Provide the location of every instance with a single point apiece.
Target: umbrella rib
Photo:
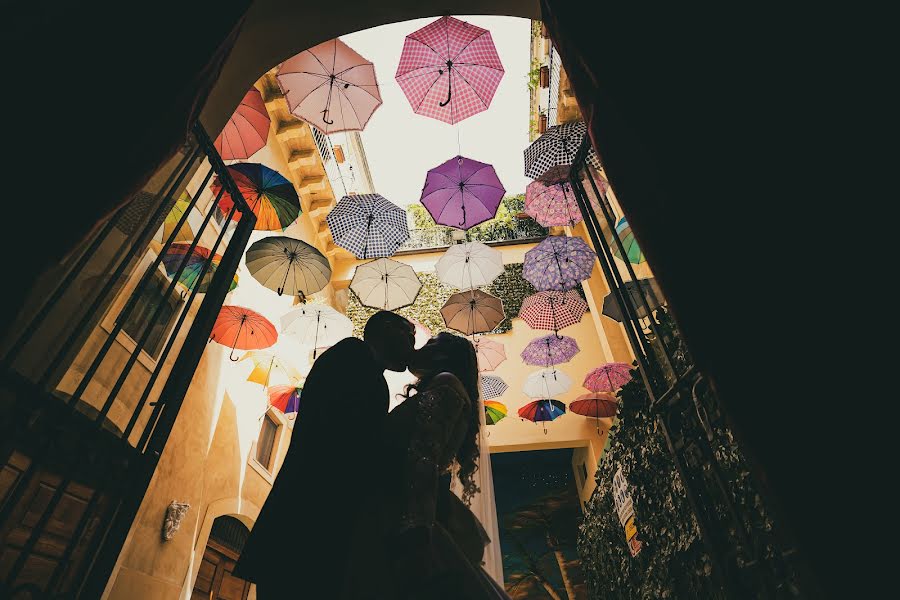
(475, 91)
(441, 214)
(362, 87)
(352, 107)
(426, 92)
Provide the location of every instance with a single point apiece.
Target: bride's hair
(463, 363)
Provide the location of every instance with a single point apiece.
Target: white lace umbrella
(547, 383)
(316, 325)
(386, 284)
(470, 265)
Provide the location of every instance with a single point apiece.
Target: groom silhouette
(298, 546)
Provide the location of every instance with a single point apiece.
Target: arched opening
(214, 579)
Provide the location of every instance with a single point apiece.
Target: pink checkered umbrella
(608, 378)
(552, 205)
(449, 70)
(553, 310)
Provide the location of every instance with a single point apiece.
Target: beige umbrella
(472, 312)
(386, 284)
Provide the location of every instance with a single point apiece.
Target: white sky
(402, 146)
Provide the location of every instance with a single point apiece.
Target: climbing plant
(503, 226)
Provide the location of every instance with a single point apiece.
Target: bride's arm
(438, 408)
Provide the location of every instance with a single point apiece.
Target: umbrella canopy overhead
(247, 130)
(541, 411)
(650, 290)
(550, 350)
(490, 354)
(558, 263)
(608, 378)
(494, 412)
(473, 312)
(197, 257)
(552, 205)
(546, 383)
(285, 398)
(242, 329)
(330, 86)
(470, 265)
(285, 264)
(188, 230)
(492, 387)
(462, 193)
(549, 158)
(449, 70)
(386, 284)
(271, 197)
(601, 405)
(316, 325)
(553, 310)
(267, 363)
(368, 225)
(629, 243)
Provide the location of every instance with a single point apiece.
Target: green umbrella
(632, 250)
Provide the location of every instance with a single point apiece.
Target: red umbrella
(247, 130)
(449, 70)
(242, 329)
(600, 405)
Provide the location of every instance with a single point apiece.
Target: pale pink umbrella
(449, 70)
(490, 354)
(330, 86)
(247, 130)
(608, 378)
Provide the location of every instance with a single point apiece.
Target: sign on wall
(625, 510)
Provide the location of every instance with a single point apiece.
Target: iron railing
(685, 408)
(94, 378)
(443, 237)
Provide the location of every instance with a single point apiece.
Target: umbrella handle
(449, 90)
(231, 356)
(325, 117)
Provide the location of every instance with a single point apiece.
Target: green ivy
(501, 227)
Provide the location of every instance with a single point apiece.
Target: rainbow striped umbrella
(632, 250)
(271, 197)
(494, 412)
(198, 256)
(188, 230)
(285, 398)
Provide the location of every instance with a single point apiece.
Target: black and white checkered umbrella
(549, 157)
(368, 225)
(492, 387)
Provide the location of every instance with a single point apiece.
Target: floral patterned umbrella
(608, 378)
(541, 411)
(552, 205)
(550, 350)
(553, 310)
(490, 354)
(559, 263)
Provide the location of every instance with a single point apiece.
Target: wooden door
(215, 581)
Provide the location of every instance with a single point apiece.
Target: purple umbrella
(462, 193)
(558, 263)
(549, 350)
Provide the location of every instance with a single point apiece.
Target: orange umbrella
(242, 329)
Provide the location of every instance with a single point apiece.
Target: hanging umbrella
(651, 293)
(285, 264)
(449, 70)
(549, 158)
(330, 86)
(317, 325)
(632, 250)
(558, 263)
(271, 197)
(242, 329)
(490, 354)
(541, 411)
(608, 378)
(470, 265)
(285, 398)
(386, 284)
(601, 405)
(188, 230)
(462, 193)
(266, 363)
(198, 256)
(492, 387)
(546, 383)
(553, 310)
(494, 412)
(247, 130)
(552, 205)
(472, 312)
(550, 350)
(368, 225)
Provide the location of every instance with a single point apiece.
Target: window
(153, 296)
(584, 473)
(265, 445)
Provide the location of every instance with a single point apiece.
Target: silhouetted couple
(362, 507)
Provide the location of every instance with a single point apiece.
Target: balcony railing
(443, 237)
